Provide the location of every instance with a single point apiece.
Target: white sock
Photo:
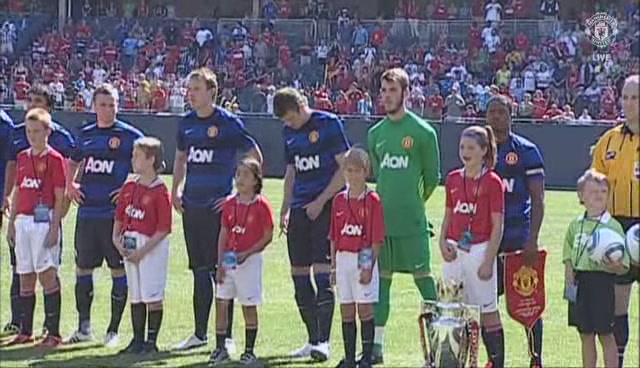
(378, 336)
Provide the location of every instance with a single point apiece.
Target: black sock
(250, 335)
(535, 342)
(306, 301)
(349, 336)
(621, 333)
(119, 292)
(52, 303)
(138, 320)
(367, 331)
(230, 320)
(220, 340)
(84, 298)
(15, 299)
(202, 301)
(494, 343)
(155, 321)
(325, 304)
(27, 306)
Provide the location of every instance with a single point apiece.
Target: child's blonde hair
(357, 157)
(593, 176)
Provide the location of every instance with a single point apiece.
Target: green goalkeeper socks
(426, 286)
(381, 311)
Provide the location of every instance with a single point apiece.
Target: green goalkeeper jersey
(406, 161)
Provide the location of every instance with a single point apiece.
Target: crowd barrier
(565, 148)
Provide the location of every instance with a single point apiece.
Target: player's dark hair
(502, 101)
(256, 169)
(152, 147)
(105, 90)
(485, 138)
(42, 91)
(396, 75)
(287, 100)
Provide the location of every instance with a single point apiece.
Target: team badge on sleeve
(114, 142)
(314, 136)
(511, 158)
(407, 142)
(212, 132)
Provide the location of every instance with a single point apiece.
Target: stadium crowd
(518, 49)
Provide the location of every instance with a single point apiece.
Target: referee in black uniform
(617, 155)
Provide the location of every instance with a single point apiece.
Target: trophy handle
(424, 320)
(474, 338)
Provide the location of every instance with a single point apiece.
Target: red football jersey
(144, 209)
(246, 223)
(356, 223)
(465, 204)
(38, 177)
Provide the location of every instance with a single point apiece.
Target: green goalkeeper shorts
(406, 254)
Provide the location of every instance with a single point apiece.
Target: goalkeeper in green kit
(406, 160)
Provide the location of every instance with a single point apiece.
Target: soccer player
(472, 230)
(521, 168)
(34, 226)
(357, 234)
(6, 129)
(590, 286)
(617, 155)
(140, 233)
(60, 140)
(315, 143)
(406, 160)
(209, 141)
(104, 156)
(246, 230)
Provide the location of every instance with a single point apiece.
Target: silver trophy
(449, 329)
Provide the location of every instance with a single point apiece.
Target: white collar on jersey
(604, 218)
(361, 196)
(46, 150)
(153, 184)
(251, 201)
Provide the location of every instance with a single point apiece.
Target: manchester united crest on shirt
(114, 142)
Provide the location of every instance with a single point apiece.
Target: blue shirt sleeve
(181, 143)
(244, 139)
(67, 145)
(533, 163)
(78, 154)
(13, 146)
(338, 141)
(6, 133)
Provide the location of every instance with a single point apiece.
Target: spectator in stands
(8, 37)
(454, 103)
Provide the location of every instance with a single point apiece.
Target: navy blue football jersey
(60, 139)
(213, 146)
(519, 160)
(6, 129)
(312, 150)
(107, 156)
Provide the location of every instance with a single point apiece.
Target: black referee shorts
(308, 241)
(594, 310)
(634, 272)
(201, 229)
(93, 243)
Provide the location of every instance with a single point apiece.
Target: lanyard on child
(236, 209)
(364, 224)
(584, 244)
(472, 214)
(40, 181)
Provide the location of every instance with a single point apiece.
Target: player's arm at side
(338, 146)
(9, 154)
(75, 166)
(377, 223)
(246, 141)
(567, 253)
(179, 169)
(496, 210)
(69, 150)
(223, 237)
(59, 178)
(599, 154)
(371, 146)
(534, 169)
(119, 218)
(430, 162)
(334, 231)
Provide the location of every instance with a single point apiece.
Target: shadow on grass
(32, 352)
(160, 359)
(263, 362)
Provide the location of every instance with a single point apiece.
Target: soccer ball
(633, 243)
(606, 244)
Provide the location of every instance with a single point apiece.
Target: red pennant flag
(524, 288)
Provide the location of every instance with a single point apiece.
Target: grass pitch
(281, 329)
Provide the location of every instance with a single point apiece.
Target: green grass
(281, 329)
